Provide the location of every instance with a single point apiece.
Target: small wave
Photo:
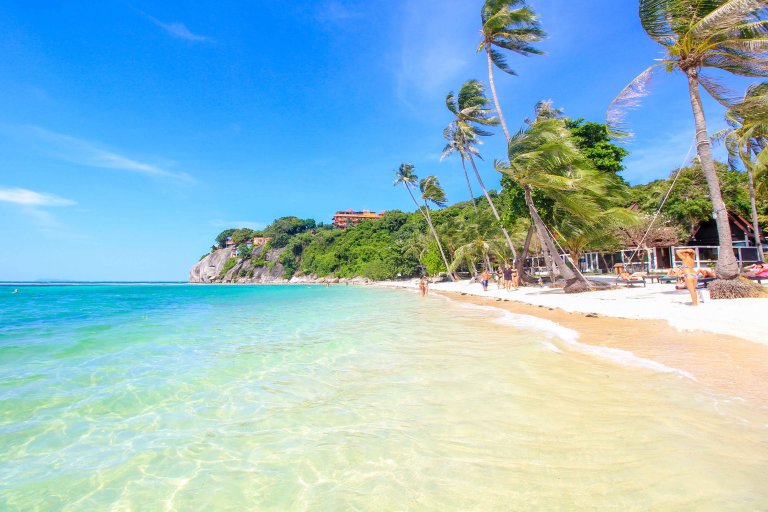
(571, 338)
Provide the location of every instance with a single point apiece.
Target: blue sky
(132, 132)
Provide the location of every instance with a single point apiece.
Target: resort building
(658, 257)
(345, 218)
(261, 240)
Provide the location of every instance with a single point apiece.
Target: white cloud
(26, 197)
(178, 30)
(83, 152)
(437, 45)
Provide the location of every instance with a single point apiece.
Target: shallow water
(347, 398)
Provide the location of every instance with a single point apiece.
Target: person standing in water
(424, 285)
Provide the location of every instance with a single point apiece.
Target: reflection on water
(278, 398)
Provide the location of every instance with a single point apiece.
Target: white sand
(743, 318)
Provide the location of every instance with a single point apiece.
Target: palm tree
(544, 157)
(405, 176)
(454, 144)
(507, 25)
(729, 35)
(432, 192)
(746, 138)
(471, 112)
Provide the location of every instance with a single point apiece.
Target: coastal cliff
(225, 266)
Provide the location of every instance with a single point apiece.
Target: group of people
(506, 277)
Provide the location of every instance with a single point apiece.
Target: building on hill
(346, 218)
(261, 240)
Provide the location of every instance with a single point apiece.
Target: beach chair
(630, 283)
(759, 279)
(668, 279)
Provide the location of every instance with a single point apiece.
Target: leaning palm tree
(507, 25)
(471, 112)
(544, 157)
(746, 138)
(432, 192)
(405, 176)
(455, 144)
(729, 35)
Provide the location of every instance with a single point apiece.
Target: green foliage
(203, 256)
(282, 229)
(688, 204)
(244, 251)
(595, 144)
(230, 263)
(221, 238)
(432, 261)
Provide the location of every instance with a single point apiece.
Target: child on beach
(484, 277)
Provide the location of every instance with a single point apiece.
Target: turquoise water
(346, 398)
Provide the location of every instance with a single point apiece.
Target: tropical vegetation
(562, 192)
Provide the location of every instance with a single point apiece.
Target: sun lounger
(668, 279)
(759, 279)
(631, 282)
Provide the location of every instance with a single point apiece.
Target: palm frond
(728, 14)
(629, 98)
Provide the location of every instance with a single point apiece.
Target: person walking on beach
(424, 285)
(484, 277)
(499, 278)
(508, 276)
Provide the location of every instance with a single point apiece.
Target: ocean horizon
(277, 397)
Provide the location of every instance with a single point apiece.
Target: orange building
(261, 240)
(351, 217)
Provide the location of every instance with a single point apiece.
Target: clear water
(345, 398)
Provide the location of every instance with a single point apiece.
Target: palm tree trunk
(493, 207)
(755, 223)
(434, 233)
(727, 266)
(493, 92)
(469, 185)
(520, 264)
(570, 276)
(439, 245)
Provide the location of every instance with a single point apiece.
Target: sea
(281, 398)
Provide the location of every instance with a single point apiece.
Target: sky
(133, 132)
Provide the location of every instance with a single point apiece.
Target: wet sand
(721, 363)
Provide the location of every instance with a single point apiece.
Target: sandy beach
(720, 343)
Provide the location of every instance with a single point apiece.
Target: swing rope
(663, 201)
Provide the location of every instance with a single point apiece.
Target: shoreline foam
(720, 361)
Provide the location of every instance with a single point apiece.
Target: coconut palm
(405, 176)
(471, 112)
(454, 144)
(746, 138)
(507, 25)
(544, 157)
(729, 35)
(432, 192)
